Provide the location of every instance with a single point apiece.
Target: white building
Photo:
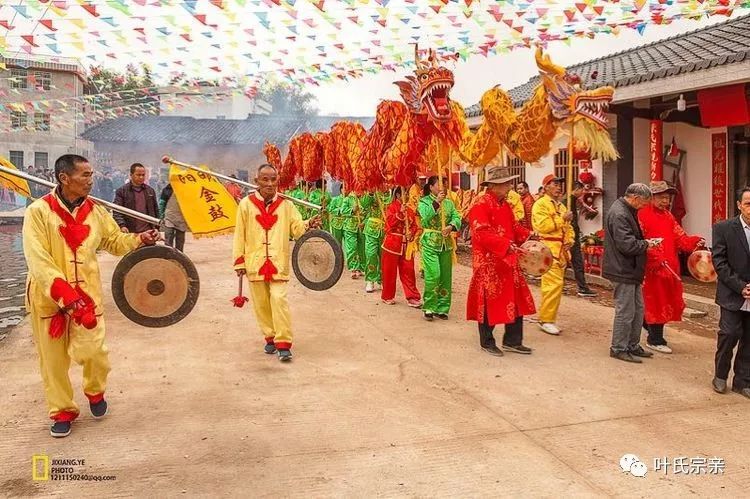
(696, 86)
(41, 112)
(210, 102)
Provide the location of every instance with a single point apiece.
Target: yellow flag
(15, 184)
(208, 208)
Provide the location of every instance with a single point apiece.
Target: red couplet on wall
(655, 146)
(718, 177)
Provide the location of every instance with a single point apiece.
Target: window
(17, 120)
(516, 167)
(16, 157)
(41, 161)
(561, 165)
(43, 80)
(41, 122)
(19, 78)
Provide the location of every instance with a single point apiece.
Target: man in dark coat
(731, 257)
(625, 265)
(138, 196)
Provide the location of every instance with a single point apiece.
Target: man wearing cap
(551, 220)
(498, 293)
(662, 284)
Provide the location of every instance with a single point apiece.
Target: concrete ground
(377, 402)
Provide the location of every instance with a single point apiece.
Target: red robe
(395, 228)
(496, 277)
(662, 286)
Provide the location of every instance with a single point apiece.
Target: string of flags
(314, 41)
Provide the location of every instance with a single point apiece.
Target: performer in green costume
(336, 221)
(299, 193)
(323, 199)
(437, 248)
(375, 205)
(353, 241)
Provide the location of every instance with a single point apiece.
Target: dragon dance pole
(569, 180)
(106, 204)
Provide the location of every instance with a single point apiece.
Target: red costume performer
(662, 285)
(497, 286)
(398, 253)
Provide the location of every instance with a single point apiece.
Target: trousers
(174, 238)
(354, 250)
(272, 312)
(86, 347)
(438, 277)
(372, 258)
(626, 329)
(512, 337)
(734, 331)
(391, 265)
(552, 289)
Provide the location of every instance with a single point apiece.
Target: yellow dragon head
(566, 98)
(427, 91)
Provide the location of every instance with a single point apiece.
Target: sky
(472, 78)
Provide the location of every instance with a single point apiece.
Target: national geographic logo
(43, 469)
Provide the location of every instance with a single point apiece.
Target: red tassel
(57, 325)
(239, 300)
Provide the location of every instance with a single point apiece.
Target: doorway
(739, 161)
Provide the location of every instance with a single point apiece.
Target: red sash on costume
(267, 219)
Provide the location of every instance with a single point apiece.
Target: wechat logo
(631, 464)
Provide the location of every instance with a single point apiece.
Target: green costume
(374, 233)
(317, 196)
(299, 193)
(437, 253)
(336, 221)
(354, 242)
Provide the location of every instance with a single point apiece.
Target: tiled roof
(716, 45)
(185, 130)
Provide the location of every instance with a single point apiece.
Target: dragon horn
(545, 65)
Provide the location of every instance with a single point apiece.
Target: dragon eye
(423, 76)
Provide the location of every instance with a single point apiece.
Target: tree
(124, 93)
(287, 99)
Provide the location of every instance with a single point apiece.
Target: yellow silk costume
(547, 220)
(514, 200)
(261, 248)
(60, 248)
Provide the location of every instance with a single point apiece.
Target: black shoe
(270, 348)
(720, 385)
(586, 293)
(517, 349)
(493, 350)
(625, 356)
(442, 316)
(285, 355)
(99, 409)
(60, 429)
(638, 351)
(742, 391)
(428, 316)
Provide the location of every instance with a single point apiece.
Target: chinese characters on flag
(208, 208)
(656, 143)
(718, 177)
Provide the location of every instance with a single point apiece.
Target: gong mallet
(107, 204)
(171, 161)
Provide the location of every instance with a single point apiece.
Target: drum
(701, 266)
(155, 286)
(536, 259)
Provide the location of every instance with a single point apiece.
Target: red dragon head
(426, 92)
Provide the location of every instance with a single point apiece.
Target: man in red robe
(662, 286)
(399, 245)
(498, 293)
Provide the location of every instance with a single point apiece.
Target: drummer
(662, 285)
(265, 222)
(62, 233)
(498, 293)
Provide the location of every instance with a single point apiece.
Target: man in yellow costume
(62, 232)
(514, 200)
(551, 220)
(265, 223)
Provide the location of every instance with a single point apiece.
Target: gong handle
(171, 161)
(111, 206)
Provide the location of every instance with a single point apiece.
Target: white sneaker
(369, 288)
(376, 286)
(549, 328)
(659, 348)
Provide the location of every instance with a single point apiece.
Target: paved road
(377, 402)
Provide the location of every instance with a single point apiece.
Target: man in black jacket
(731, 256)
(625, 265)
(138, 196)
